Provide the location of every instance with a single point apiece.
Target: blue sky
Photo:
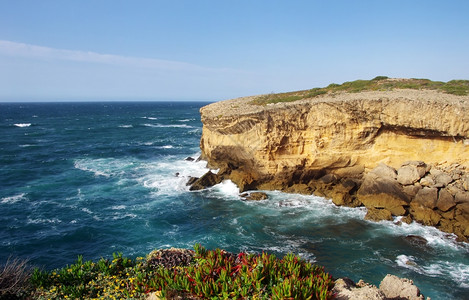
(214, 50)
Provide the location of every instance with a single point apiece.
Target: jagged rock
(189, 158)
(424, 215)
(412, 190)
(384, 171)
(427, 181)
(256, 196)
(427, 197)
(379, 192)
(443, 179)
(191, 180)
(407, 219)
(207, 180)
(461, 197)
(445, 200)
(376, 214)
(346, 289)
(394, 287)
(329, 178)
(409, 174)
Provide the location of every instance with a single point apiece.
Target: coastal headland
(399, 147)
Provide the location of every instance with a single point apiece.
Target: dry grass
(14, 278)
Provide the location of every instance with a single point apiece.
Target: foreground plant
(14, 278)
(199, 274)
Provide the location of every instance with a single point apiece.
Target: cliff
(355, 148)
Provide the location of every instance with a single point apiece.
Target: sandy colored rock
(377, 192)
(427, 197)
(345, 289)
(394, 287)
(445, 200)
(376, 214)
(408, 174)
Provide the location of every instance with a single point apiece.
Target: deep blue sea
(98, 178)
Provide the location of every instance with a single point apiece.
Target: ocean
(95, 178)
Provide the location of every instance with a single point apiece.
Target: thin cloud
(39, 52)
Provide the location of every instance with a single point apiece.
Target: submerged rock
(255, 196)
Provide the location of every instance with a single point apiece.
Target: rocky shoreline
(398, 153)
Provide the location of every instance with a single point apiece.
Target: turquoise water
(98, 178)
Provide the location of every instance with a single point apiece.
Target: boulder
(427, 181)
(427, 197)
(189, 158)
(380, 192)
(346, 289)
(384, 171)
(443, 179)
(445, 200)
(394, 287)
(207, 180)
(409, 174)
(461, 197)
(424, 215)
(377, 214)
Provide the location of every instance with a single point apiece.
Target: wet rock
(376, 214)
(416, 240)
(256, 196)
(407, 219)
(394, 287)
(191, 180)
(189, 158)
(207, 180)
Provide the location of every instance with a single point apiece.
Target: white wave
(26, 145)
(86, 210)
(167, 147)
(124, 216)
(126, 126)
(118, 207)
(168, 125)
(150, 118)
(435, 238)
(169, 177)
(458, 272)
(226, 189)
(22, 124)
(13, 199)
(186, 120)
(105, 167)
(44, 221)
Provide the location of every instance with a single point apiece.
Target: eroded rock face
(384, 150)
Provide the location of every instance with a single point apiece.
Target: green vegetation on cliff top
(379, 83)
(173, 274)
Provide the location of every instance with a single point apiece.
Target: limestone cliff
(329, 144)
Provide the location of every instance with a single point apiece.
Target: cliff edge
(401, 152)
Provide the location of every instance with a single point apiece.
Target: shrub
(187, 274)
(14, 278)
